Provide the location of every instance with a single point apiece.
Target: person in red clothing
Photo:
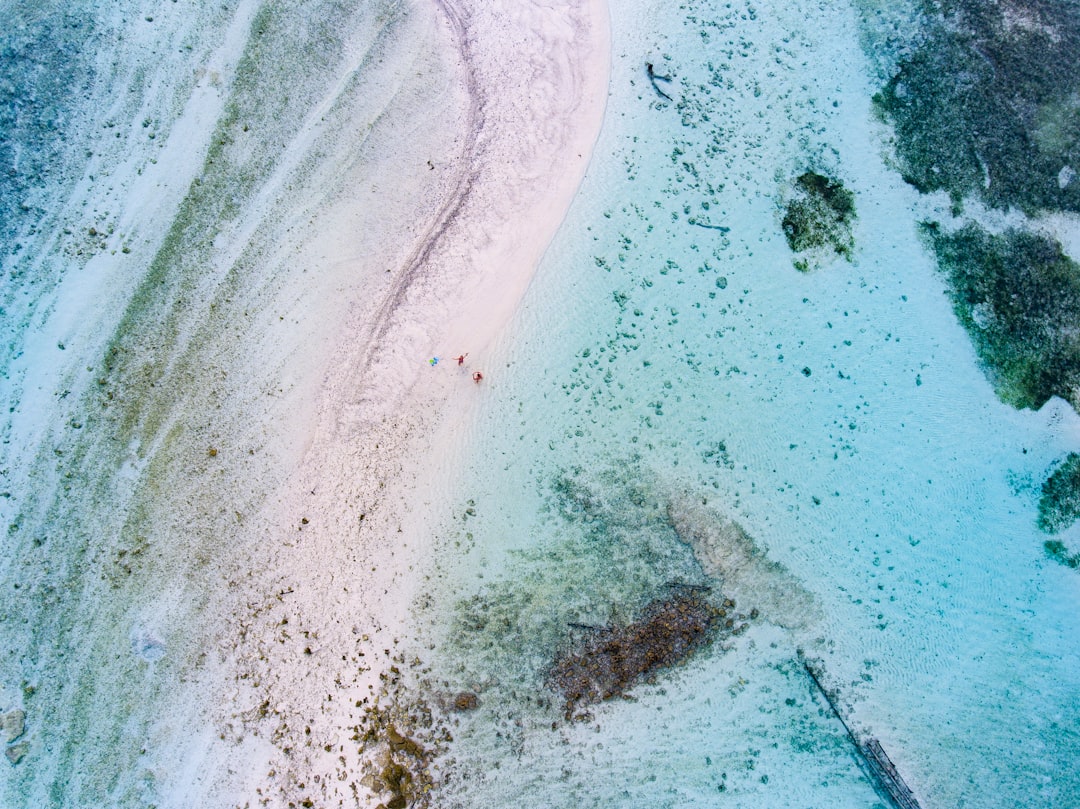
(476, 377)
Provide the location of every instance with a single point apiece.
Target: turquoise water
(662, 373)
(680, 400)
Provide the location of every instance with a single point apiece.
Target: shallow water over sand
(672, 371)
(196, 604)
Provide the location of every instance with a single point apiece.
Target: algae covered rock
(615, 658)
(1059, 506)
(818, 218)
(986, 102)
(1018, 296)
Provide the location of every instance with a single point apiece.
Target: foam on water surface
(827, 435)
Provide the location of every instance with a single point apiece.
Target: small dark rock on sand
(466, 701)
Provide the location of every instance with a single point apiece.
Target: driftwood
(654, 77)
(721, 228)
(690, 588)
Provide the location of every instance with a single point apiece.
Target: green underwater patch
(986, 102)
(1059, 505)
(1018, 296)
(1057, 551)
(818, 217)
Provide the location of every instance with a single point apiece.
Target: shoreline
(386, 422)
(242, 514)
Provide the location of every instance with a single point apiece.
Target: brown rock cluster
(403, 740)
(615, 658)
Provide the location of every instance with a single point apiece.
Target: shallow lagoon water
(670, 360)
(671, 373)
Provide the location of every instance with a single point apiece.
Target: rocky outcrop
(615, 658)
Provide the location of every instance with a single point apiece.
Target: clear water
(669, 372)
(662, 372)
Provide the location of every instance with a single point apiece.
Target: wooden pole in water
(883, 772)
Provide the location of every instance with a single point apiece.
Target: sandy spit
(323, 603)
(226, 442)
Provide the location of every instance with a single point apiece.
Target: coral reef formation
(819, 217)
(615, 658)
(1018, 296)
(1059, 505)
(986, 103)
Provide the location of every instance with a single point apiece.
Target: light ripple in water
(885, 481)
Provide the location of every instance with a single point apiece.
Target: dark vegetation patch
(612, 659)
(1059, 505)
(987, 102)
(1057, 551)
(819, 215)
(1018, 296)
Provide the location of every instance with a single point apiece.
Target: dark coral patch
(988, 103)
(1018, 296)
(819, 215)
(1059, 506)
(616, 658)
(1059, 553)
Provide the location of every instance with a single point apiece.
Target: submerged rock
(616, 658)
(400, 740)
(403, 744)
(17, 752)
(1018, 296)
(466, 701)
(13, 723)
(819, 217)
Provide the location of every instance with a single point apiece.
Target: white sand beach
(754, 407)
(251, 515)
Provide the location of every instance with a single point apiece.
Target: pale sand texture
(236, 527)
(385, 424)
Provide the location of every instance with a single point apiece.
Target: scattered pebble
(13, 723)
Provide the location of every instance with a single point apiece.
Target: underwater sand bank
(383, 429)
